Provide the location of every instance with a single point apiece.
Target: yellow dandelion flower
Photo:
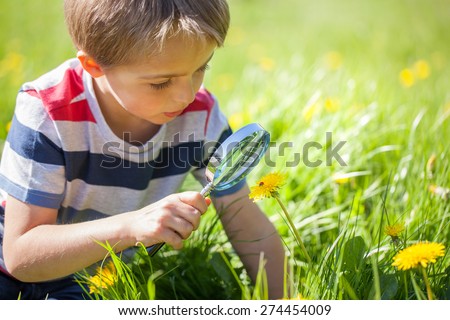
(340, 178)
(421, 69)
(431, 166)
(297, 297)
(312, 107)
(8, 126)
(333, 60)
(407, 78)
(418, 255)
(443, 193)
(394, 230)
(105, 277)
(236, 120)
(268, 186)
(12, 62)
(310, 111)
(266, 63)
(332, 104)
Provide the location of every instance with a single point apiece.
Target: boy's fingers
(174, 239)
(194, 199)
(183, 227)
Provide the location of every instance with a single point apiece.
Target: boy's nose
(185, 93)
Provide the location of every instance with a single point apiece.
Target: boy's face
(161, 87)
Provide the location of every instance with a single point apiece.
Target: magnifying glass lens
(236, 157)
(240, 158)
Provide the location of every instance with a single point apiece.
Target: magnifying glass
(232, 161)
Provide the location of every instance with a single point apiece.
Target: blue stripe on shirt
(107, 169)
(31, 144)
(36, 197)
(104, 169)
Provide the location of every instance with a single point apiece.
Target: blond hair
(115, 32)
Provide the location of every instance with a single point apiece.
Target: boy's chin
(162, 120)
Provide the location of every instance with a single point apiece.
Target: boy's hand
(170, 220)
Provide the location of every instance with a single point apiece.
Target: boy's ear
(89, 64)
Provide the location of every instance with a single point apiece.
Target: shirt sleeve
(32, 165)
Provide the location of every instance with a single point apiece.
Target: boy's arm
(251, 232)
(36, 249)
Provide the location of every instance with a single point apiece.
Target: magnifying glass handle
(207, 189)
(154, 248)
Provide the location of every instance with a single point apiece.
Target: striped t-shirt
(60, 152)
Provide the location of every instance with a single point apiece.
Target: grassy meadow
(365, 81)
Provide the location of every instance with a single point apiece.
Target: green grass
(301, 69)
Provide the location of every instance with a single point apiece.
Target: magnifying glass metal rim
(233, 142)
(239, 136)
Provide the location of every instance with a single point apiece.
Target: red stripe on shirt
(204, 101)
(58, 99)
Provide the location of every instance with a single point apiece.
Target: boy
(99, 146)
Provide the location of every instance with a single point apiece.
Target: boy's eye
(164, 85)
(161, 86)
(204, 68)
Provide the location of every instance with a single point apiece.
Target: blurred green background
(369, 40)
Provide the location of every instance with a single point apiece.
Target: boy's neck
(124, 125)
